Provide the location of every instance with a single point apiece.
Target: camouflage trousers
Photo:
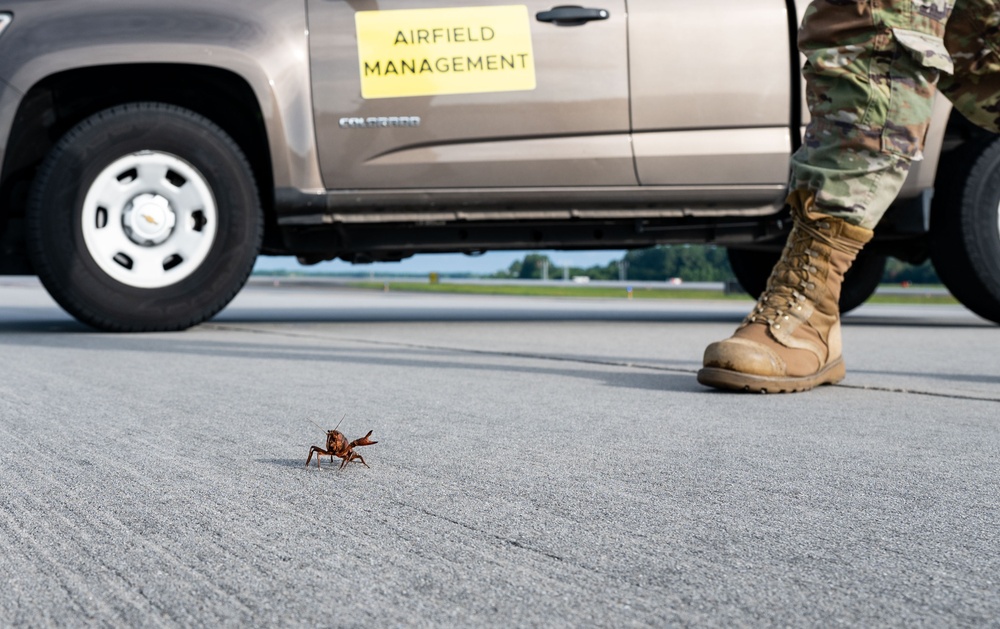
(871, 71)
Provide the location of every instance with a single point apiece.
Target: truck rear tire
(144, 217)
(965, 227)
(752, 268)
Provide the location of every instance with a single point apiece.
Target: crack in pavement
(569, 359)
(506, 540)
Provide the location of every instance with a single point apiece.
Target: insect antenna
(335, 427)
(340, 422)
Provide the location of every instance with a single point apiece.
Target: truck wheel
(144, 217)
(965, 227)
(752, 268)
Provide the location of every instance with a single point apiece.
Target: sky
(485, 264)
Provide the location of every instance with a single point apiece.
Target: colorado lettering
(379, 122)
(446, 65)
(459, 35)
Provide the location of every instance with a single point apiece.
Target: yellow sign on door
(426, 52)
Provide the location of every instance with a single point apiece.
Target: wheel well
(960, 131)
(57, 103)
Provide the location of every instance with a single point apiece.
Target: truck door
(711, 92)
(470, 94)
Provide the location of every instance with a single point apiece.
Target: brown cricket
(338, 446)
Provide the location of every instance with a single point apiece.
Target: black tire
(752, 268)
(965, 227)
(224, 237)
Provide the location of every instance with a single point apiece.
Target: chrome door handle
(572, 15)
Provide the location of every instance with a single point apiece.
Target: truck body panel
(264, 43)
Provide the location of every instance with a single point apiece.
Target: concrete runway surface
(541, 462)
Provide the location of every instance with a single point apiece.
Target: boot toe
(745, 356)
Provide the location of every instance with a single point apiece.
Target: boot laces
(793, 280)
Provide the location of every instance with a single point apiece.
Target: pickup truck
(151, 151)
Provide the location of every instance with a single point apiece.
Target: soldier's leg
(973, 39)
(870, 75)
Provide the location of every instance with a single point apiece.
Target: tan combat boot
(791, 340)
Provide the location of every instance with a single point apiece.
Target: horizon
(445, 263)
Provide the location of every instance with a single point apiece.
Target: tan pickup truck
(151, 151)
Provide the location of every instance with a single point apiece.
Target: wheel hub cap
(149, 220)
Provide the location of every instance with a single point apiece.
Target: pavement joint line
(462, 350)
(952, 396)
(583, 361)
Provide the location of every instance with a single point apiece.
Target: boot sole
(736, 381)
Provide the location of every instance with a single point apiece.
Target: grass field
(602, 292)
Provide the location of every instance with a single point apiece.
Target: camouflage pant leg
(973, 39)
(870, 73)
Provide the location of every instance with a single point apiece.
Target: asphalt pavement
(540, 462)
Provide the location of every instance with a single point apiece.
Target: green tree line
(690, 263)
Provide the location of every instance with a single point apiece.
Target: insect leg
(319, 453)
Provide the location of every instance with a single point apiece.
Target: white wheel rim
(149, 220)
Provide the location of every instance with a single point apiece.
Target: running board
(296, 208)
